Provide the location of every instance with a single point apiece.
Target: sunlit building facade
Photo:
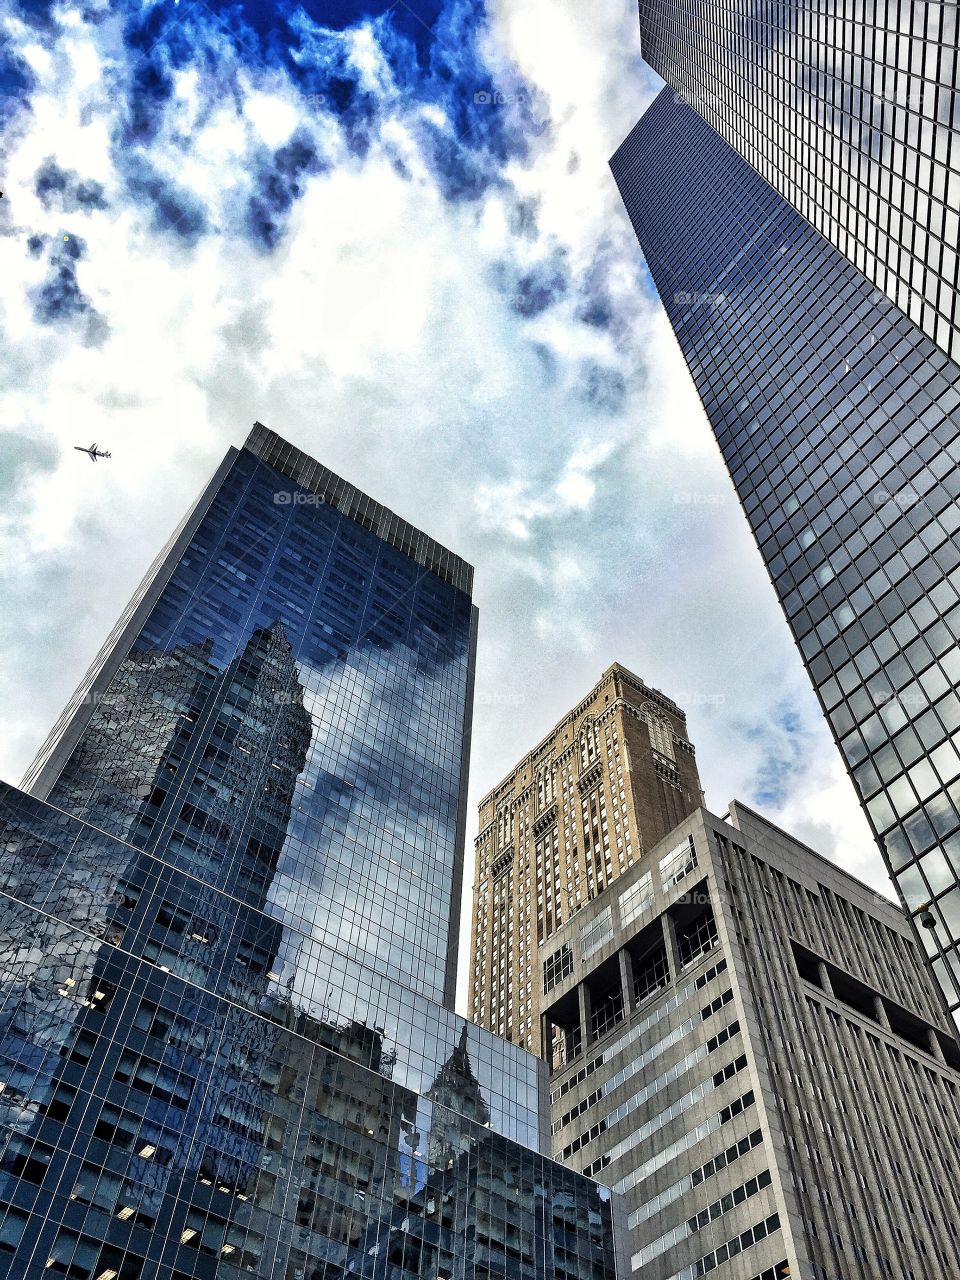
(610, 779)
(839, 422)
(753, 1053)
(851, 111)
(228, 910)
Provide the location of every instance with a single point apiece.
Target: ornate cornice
(590, 777)
(545, 820)
(503, 862)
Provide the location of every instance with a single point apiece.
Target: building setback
(747, 1044)
(849, 111)
(228, 907)
(839, 422)
(608, 781)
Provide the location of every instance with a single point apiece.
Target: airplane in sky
(93, 452)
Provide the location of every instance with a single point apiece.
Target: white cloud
(381, 338)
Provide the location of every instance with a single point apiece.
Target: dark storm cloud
(531, 292)
(16, 80)
(433, 58)
(172, 209)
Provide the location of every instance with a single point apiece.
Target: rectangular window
(635, 900)
(679, 862)
(596, 934)
(557, 967)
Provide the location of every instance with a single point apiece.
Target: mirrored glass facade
(838, 421)
(852, 112)
(226, 919)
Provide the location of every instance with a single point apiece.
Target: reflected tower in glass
(851, 111)
(228, 910)
(838, 422)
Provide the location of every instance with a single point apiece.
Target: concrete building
(610, 780)
(747, 1044)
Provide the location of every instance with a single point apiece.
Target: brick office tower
(228, 950)
(748, 1046)
(609, 781)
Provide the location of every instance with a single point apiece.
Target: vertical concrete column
(626, 980)
(880, 1009)
(935, 1046)
(586, 1011)
(823, 973)
(670, 942)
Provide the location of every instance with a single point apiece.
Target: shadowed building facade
(227, 908)
(838, 422)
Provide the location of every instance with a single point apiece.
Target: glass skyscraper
(838, 420)
(228, 911)
(851, 111)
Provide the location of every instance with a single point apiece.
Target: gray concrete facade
(752, 1051)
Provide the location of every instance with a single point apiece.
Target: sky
(389, 232)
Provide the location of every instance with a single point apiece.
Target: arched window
(589, 747)
(545, 788)
(661, 732)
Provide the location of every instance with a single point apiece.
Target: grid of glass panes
(596, 933)
(633, 902)
(851, 112)
(556, 967)
(175, 1116)
(356, 737)
(678, 863)
(839, 423)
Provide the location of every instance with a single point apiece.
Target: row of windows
(658, 1203)
(657, 1122)
(746, 1190)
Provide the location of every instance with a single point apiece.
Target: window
(596, 934)
(634, 901)
(557, 967)
(661, 733)
(697, 937)
(12, 1227)
(679, 862)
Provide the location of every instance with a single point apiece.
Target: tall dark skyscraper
(228, 911)
(838, 421)
(851, 111)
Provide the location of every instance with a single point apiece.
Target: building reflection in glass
(225, 926)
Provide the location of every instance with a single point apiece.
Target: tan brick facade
(613, 778)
